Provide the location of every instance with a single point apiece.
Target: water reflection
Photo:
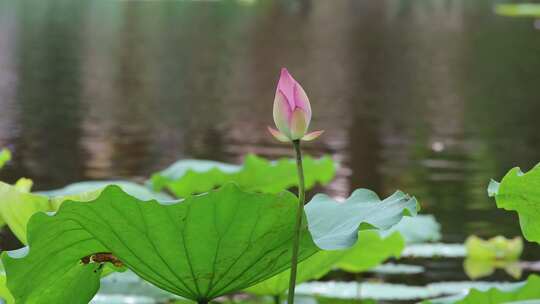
(434, 97)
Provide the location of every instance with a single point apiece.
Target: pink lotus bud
(292, 111)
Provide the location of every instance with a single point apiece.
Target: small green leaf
(493, 188)
(24, 184)
(5, 156)
(479, 268)
(189, 176)
(496, 248)
(17, 206)
(520, 192)
(518, 10)
(515, 292)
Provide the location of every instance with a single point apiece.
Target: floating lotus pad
(496, 248)
(191, 176)
(393, 292)
(498, 294)
(139, 191)
(435, 250)
(518, 10)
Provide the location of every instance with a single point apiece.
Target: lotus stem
(277, 299)
(298, 226)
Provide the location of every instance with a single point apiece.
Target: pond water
(431, 97)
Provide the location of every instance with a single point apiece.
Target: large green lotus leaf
(203, 247)
(335, 225)
(4, 291)
(528, 290)
(369, 251)
(520, 192)
(5, 156)
(78, 282)
(258, 174)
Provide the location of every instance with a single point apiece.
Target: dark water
(432, 97)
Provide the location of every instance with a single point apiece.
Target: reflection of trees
(120, 118)
(153, 80)
(168, 63)
(500, 84)
(410, 76)
(8, 79)
(504, 100)
(48, 88)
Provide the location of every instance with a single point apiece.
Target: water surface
(432, 97)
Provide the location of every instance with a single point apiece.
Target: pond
(431, 97)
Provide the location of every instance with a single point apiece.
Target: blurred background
(434, 97)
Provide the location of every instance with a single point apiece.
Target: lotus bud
(292, 111)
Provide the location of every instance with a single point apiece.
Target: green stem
(298, 226)
(277, 299)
